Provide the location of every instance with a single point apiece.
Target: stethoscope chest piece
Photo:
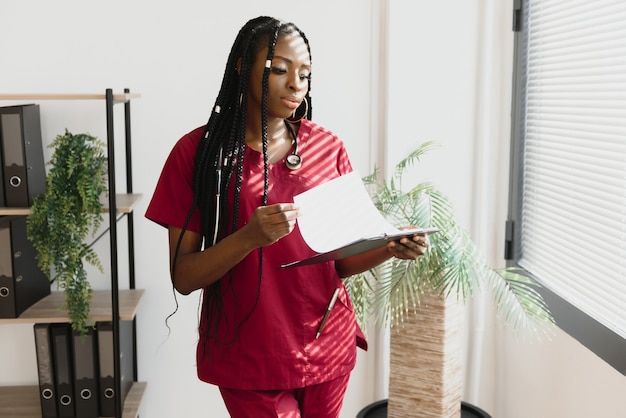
(293, 161)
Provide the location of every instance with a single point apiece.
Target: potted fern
(64, 216)
(421, 300)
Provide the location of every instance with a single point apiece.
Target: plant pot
(425, 360)
(379, 410)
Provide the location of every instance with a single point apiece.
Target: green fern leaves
(66, 214)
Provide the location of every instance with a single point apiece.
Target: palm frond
(519, 303)
(361, 294)
(412, 159)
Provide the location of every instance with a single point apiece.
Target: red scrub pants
(318, 401)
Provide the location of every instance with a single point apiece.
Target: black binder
(2, 200)
(22, 154)
(106, 358)
(45, 367)
(63, 382)
(86, 374)
(22, 283)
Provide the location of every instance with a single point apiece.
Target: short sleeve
(173, 196)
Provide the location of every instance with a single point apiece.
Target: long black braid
(222, 146)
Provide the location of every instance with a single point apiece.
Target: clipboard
(360, 246)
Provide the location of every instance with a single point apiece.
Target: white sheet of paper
(339, 212)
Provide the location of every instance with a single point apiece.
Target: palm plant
(453, 267)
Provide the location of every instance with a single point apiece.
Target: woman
(225, 195)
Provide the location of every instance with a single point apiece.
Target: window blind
(573, 202)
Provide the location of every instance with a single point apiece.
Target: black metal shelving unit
(24, 400)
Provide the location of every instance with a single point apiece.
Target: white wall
(173, 53)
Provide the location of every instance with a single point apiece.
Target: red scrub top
(275, 347)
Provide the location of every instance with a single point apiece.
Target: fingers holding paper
(270, 223)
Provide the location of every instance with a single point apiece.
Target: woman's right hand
(270, 223)
(196, 268)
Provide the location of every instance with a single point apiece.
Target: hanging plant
(66, 214)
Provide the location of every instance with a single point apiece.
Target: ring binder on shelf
(62, 350)
(22, 283)
(2, 199)
(22, 154)
(106, 356)
(86, 374)
(45, 368)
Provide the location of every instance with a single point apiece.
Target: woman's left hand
(409, 248)
(406, 248)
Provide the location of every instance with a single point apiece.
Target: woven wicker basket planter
(425, 371)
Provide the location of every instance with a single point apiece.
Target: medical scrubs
(267, 329)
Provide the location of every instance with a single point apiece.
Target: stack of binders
(76, 377)
(22, 177)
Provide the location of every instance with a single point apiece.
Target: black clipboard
(360, 246)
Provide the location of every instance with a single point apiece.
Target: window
(567, 206)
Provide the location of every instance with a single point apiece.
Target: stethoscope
(293, 161)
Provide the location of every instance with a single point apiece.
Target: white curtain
(490, 51)
(490, 189)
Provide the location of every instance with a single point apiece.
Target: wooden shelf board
(132, 403)
(50, 308)
(23, 401)
(14, 211)
(125, 202)
(118, 97)
(20, 402)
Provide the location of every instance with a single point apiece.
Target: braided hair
(220, 153)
